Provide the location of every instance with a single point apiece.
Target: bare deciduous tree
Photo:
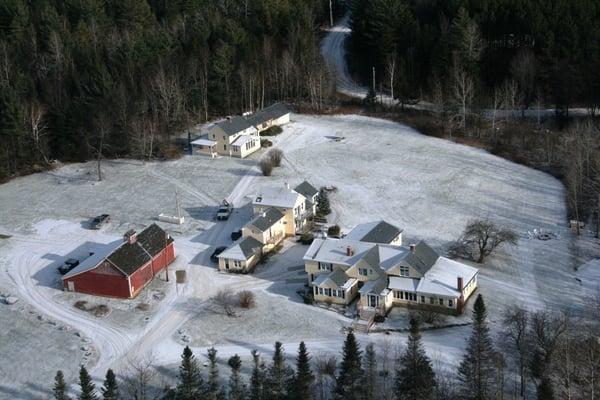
(516, 322)
(481, 238)
(139, 378)
(38, 129)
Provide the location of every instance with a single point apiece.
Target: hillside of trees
(89, 78)
(549, 49)
(539, 355)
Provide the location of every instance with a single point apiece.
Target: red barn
(123, 269)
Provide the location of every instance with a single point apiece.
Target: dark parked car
(68, 265)
(100, 221)
(235, 235)
(214, 256)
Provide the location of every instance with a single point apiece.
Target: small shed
(123, 269)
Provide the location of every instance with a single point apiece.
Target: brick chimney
(413, 247)
(130, 236)
(459, 284)
(349, 251)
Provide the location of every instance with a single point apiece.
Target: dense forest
(538, 355)
(88, 78)
(550, 49)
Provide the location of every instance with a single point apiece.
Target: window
(441, 302)
(431, 300)
(404, 271)
(237, 264)
(450, 303)
(321, 291)
(327, 292)
(224, 147)
(422, 299)
(316, 290)
(363, 271)
(343, 294)
(325, 266)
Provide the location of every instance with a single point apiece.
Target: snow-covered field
(382, 170)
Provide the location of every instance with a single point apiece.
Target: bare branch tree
(481, 238)
(516, 322)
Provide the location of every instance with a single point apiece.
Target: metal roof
(128, 257)
(234, 125)
(267, 114)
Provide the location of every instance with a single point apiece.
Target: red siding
(100, 284)
(105, 280)
(140, 278)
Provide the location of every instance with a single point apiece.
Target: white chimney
(287, 186)
(413, 247)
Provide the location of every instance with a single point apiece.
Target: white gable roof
(92, 261)
(277, 197)
(442, 278)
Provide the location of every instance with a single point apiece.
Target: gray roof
(338, 277)
(306, 189)
(267, 219)
(375, 287)
(422, 258)
(249, 246)
(242, 249)
(274, 111)
(375, 232)
(234, 125)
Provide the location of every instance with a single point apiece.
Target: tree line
(548, 50)
(489, 69)
(538, 355)
(83, 79)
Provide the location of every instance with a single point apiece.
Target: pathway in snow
(333, 49)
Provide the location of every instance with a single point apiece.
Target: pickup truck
(99, 221)
(225, 210)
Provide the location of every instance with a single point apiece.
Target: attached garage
(123, 269)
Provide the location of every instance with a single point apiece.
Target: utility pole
(374, 80)
(330, 13)
(598, 219)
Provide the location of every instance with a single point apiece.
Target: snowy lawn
(383, 170)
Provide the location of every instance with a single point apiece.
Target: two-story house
(385, 275)
(277, 213)
(234, 137)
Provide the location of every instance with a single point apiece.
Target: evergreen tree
(370, 378)
(213, 390)
(60, 387)
(301, 389)
(323, 206)
(545, 390)
(350, 378)
(279, 375)
(110, 389)
(190, 380)
(415, 379)
(370, 100)
(88, 389)
(257, 379)
(476, 371)
(237, 388)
